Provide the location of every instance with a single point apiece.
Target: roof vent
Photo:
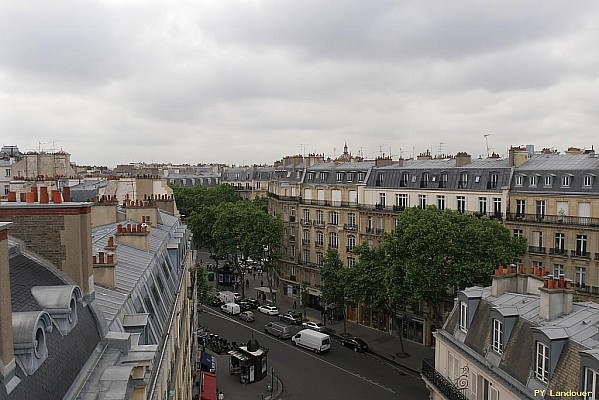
(29, 337)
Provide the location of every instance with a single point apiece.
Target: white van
(317, 341)
(231, 308)
(226, 297)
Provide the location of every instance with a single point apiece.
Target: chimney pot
(56, 197)
(66, 193)
(44, 198)
(101, 257)
(110, 258)
(94, 259)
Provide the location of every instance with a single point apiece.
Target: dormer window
(542, 362)
(588, 180)
(350, 176)
(519, 180)
(339, 176)
(566, 179)
(497, 340)
(361, 176)
(493, 180)
(463, 324)
(463, 180)
(533, 180)
(548, 180)
(310, 176)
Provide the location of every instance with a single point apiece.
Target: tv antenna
(487, 141)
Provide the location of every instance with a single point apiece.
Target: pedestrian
(221, 396)
(254, 273)
(261, 283)
(247, 283)
(294, 305)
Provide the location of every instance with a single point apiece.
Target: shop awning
(208, 387)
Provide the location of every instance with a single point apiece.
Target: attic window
(463, 324)
(588, 180)
(477, 179)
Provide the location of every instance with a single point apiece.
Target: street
(338, 374)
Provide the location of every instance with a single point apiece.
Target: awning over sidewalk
(265, 289)
(208, 387)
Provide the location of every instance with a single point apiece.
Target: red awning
(208, 386)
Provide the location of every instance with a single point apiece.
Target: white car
(316, 326)
(268, 310)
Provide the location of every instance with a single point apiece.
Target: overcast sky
(235, 82)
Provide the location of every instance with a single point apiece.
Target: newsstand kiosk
(249, 362)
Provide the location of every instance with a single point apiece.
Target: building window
(560, 243)
(319, 238)
(533, 180)
(351, 219)
(333, 240)
(369, 226)
(405, 178)
(497, 343)
(588, 181)
(482, 205)
(518, 233)
(453, 364)
(306, 237)
(580, 274)
(6, 189)
(350, 176)
(379, 179)
(339, 176)
(382, 199)
(494, 179)
(541, 209)
(351, 262)
(424, 180)
(361, 176)
(519, 180)
(441, 202)
(558, 269)
(351, 242)
(542, 362)
(307, 216)
(443, 181)
(323, 176)
(520, 208)
(463, 180)
(380, 227)
(497, 206)
(319, 259)
(422, 201)
(591, 384)
(581, 245)
(461, 204)
(401, 201)
(463, 316)
(548, 180)
(566, 180)
(319, 217)
(306, 256)
(333, 218)
(7, 172)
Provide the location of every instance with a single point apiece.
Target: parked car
(215, 302)
(236, 296)
(279, 329)
(290, 319)
(315, 326)
(247, 316)
(269, 310)
(244, 305)
(230, 308)
(355, 343)
(295, 313)
(252, 302)
(310, 339)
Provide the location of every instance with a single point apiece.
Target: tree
(203, 286)
(333, 282)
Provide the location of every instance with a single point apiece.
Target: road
(338, 374)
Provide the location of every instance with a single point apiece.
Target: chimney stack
(517, 156)
(7, 351)
(462, 158)
(557, 297)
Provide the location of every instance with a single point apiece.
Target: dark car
(244, 305)
(290, 319)
(294, 313)
(252, 302)
(215, 301)
(355, 343)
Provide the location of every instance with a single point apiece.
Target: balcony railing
(537, 249)
(369, 230)
(306, 222)
(343, 204)
(306, 242)
(553, 219)
(558, 251)
(292, 218)
(318, 223)
(349, 227)
(442, 384)
(349, 249)
(318, 244)
(580, 254)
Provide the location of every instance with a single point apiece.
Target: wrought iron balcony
(442, 384)
(558, 251)
(350, 227)
(580, 254)
(553, 219)
(537, 249)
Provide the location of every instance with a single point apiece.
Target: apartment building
(521, 338)
(97, 302)
(248, 182)
(554, 203)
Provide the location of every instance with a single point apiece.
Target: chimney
(64, 238)
(383, 161)
(105, 269)
(462, 158)
(66, 194)
(517, 156)
(555, 300)
(7, 351)
(133, 235)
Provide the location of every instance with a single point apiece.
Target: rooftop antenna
(487, 141)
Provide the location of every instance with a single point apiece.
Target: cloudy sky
(241, 81)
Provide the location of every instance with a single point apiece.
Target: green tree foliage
(203, 286)
(441, 249)
(332, 277)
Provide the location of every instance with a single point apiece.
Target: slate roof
(68, 354)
